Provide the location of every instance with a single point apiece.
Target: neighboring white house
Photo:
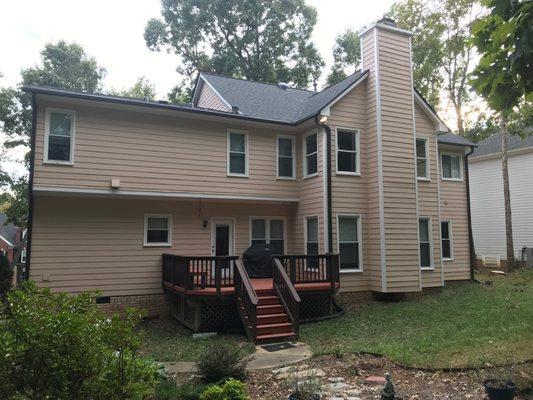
(486, 196)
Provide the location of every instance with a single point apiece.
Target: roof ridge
(252, 81)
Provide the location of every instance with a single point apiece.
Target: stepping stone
(282, 370)
(308, 373)
(337, 386)
(336, 379)
(353, 398)
(375, 380)
(353, 392)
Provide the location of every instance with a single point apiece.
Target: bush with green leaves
(168, 390)
(218, 361)
(232, 389)
(60, 346)
(6, 276)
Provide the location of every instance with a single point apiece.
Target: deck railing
(316, 268)
(287, 294)
(248, 300)
(198, 272)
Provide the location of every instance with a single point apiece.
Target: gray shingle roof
(9, 231)
(492, 144)
(453, 139)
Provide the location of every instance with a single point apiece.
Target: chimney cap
(387, 21)
(284, 86)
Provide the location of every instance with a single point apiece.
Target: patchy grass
(166, 340)
(465, 325)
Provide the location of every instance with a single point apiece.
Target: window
(349, 242)
(157, 230)
(237, 153)
(23, 257)
(451, 167)
(347, 147)
(446, 237)
(422, 159)
(268, 231)
(311, 235)
(286, 157)
(311, 155)
(59, 136)
(424, 232)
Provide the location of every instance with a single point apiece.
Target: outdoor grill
(257, 260)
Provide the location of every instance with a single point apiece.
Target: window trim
(427, 176)
(293, 147)
(357, 152)
(360, 241)
(450, 234)
(304, 154)
(430, 233)
(246, 152)
(145, 233)
(48, 112)
(267, 228)
(306, 217)
(446, 153)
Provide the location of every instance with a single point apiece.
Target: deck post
(292, 269)
(218, 276)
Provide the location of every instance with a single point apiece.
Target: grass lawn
(465, 325)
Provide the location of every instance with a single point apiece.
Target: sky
(112, 32)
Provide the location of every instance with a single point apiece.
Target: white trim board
(205, 81)
(7, 241)
(327, 109)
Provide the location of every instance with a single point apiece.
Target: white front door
(221, 237)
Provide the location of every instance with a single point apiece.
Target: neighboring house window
(237, 153)
(347, 151)
(451, 167)
(59, 136)
(446, 237)
(286, 157)
(422, 159)
(311, 235)
(311, 155)
(424, 232)
(23, 256)
(349, 242)
(268, 231)
(157, 230)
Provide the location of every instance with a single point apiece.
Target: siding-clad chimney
(386, 53)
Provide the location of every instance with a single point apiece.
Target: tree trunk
(511, 262)
(460, 122)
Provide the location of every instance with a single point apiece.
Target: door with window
(222, 238)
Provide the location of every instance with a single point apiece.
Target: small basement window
(157, 230)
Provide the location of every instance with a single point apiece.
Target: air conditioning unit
(527, 256)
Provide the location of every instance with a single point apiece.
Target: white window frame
(357, 152)
(460, 179)
(246, 153)
(430, 233)
(304, 154)
(450, 233)
(293, 149)
(307, 217)
(426, 151)
(267, 229)
(48, 112)
(145, 235)
(359, 240)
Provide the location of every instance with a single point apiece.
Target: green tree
(6, 277)
(504, 76)
(263, 41)
(142, 89)
(346, 56)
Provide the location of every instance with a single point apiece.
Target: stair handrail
(245, 291)
(287, 294)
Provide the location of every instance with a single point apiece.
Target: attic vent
(284, 86)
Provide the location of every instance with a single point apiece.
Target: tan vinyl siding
(209, 99)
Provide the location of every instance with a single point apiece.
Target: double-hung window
(349, 241)
(451, 167)
(347, 151)
(424, 232)
(422, 170)
(268, 231)
(237, 153)
(311, 235)
(157, 230)
(310, 155)
(59, 136)
(286, 157)
(446, 238)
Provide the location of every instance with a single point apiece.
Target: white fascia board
(439, 125)
(326, 111)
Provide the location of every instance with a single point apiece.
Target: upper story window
(424, 233)
(157, 230)
(446, 238)
(451, 167)
(59, 136)
(349, 242)
(286, 157)
(347, 151)
(311, 155)
(237, 153)
(422, 170)
(268, 231)
(311, 235)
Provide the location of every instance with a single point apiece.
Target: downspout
(30, 185)
(328, 182)
(469, 212)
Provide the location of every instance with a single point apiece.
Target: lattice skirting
(315, 305)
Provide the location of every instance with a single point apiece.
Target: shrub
(6, 276)
(231, 390)
(59, 346)
(218, 361)
(307, 389)
(167, 390)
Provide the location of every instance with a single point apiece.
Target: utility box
(527, 256)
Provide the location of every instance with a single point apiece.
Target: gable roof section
(453, 139)
(492, 144)
(7, 232)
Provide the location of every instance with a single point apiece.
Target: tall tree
(504, 76)
(253, 39)
(142, 89)
(346, 56)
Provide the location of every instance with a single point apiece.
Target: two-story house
(364, 169)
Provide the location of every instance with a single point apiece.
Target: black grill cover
(257, 260)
